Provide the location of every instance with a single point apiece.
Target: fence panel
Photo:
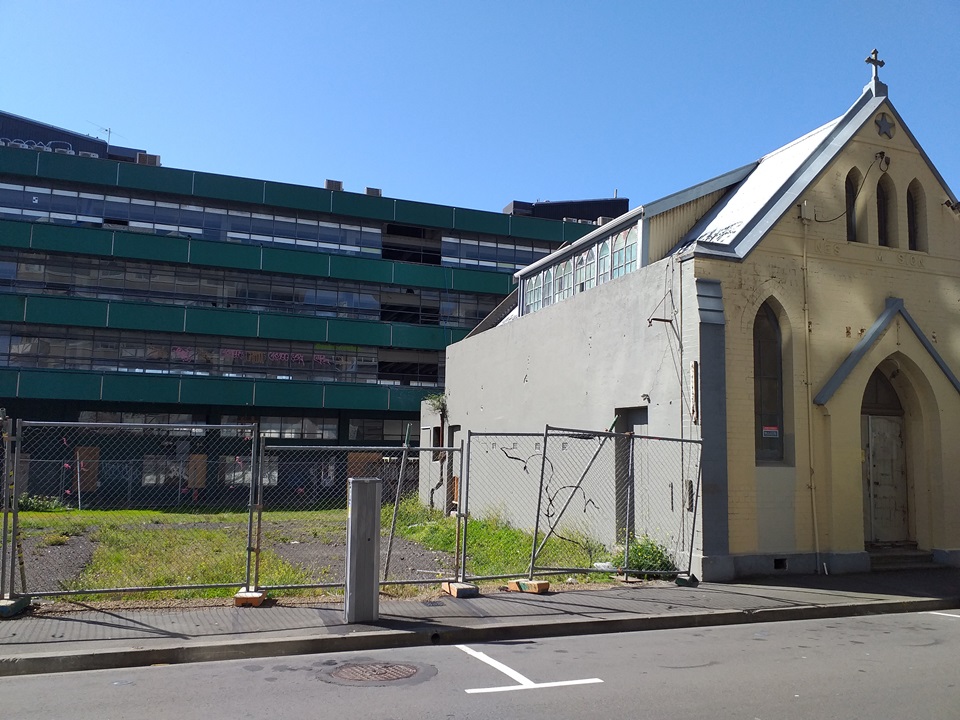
(108, 507)
(594, 502)
(302, 526)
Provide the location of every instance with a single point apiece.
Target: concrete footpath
(88, 638)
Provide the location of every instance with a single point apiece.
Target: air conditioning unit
(17, 144)
(374, 192)
(64, 151)
(84, 153)
(603, 220)
(147, 159)
(334, 185)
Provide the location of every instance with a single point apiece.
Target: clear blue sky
(476, 104)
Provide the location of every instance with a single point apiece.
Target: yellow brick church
(800, 316)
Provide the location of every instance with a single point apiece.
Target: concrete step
(901, 560)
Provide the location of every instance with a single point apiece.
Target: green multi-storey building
(132, 292)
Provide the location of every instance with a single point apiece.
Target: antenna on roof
(107, 130)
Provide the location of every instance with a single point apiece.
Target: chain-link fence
(573, 501)
(109, 508)
(104, 507)
(303, 519)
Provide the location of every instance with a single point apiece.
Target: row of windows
(887, 212)
(180, 285)
(27, 346)
(369, 430)
(311, 231)
(607, 259)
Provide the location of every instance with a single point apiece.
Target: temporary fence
(150, 507)
(204, 508)
(577, 501)
(131, 493)
(303, 517)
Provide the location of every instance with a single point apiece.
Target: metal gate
(571, 501)
(106, 508)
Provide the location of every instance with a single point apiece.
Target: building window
(851, 189)
(603, 262)
(916, 217)
(886, 213)
(768, 385)
(548, 287)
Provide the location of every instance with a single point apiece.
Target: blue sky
(476, 104)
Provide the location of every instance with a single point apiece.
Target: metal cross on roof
(877, 63)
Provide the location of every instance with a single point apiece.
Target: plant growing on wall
(438, 403)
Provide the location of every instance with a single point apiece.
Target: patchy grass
(494, 547)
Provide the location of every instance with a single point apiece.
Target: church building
(799, 315)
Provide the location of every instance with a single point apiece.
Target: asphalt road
(878, 667)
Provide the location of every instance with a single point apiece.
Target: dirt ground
(48, 567)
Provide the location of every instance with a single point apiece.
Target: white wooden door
(886, 478)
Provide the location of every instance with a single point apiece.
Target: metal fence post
(7, 479)
(628, 530)
(536, 523)
(255, 494)
(463, 507)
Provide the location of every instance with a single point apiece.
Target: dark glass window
(883, 206)
(850, 189)
(768, 385)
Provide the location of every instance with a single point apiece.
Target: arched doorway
(886, 507)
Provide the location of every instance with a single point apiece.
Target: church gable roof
(736, 224)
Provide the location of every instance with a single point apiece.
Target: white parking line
(525, 682)
(934, 612)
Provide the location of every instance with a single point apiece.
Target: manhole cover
(374, 672)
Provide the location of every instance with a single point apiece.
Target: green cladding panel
(408, 399)
(18, 162)
(536, 228)
(574, 231)
(299, 197)
(429, 276)
(481, 222)
(356, 397)
(124, 387)
(292, 327)
(144, 316)
(363, 269)
(48, 310)
(9, 379)
(359, 332)
(215, 321)
(157, 179)
(216, 391)
(12, 307)
(296, 262)
(226, 255)
(15, 234)
(480, 281)
(151, 247)
(422, 338)
(71, 240)
(280, 393)
(79, 169)
(227, 187)
(362, 206)
(59, 385)
(418, 213)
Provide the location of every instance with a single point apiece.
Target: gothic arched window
(768, 385)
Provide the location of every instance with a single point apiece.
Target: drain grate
(374, 672)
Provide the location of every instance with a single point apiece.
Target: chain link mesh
(304, 517)
(106, 506)
(593, 501)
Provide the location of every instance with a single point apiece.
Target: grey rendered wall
(572, 365)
